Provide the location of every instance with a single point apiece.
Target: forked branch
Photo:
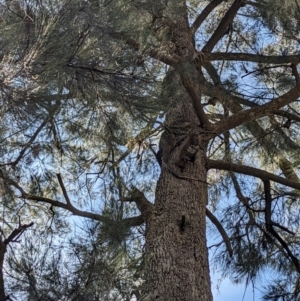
(131, 221)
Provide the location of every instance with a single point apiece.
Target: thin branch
(128, 40)
(295, 73)
(244, 200)
(31, 140)
(132, 221)
(268, 206)
(233, 103)
(63, 188)
(221, 230)
(283, 228)
(216, 90)
(261, 70)
(269, 225)
(251, 171)
(213, 91)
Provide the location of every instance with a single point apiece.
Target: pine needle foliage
(88, 90)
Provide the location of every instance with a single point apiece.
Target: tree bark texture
(176, 252)
(2, 254)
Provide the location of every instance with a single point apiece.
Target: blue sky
(227, 291)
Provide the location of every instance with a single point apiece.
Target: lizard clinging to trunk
(168, 143)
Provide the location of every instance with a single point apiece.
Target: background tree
(88, 88)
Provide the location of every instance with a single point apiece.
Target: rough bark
(176, 253)
(2, 254)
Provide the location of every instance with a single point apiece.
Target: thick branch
(141, 201)
(249, 57)
(257, 112)
(167, 59)
(251, 171)
(206, 11)
(223, 26)
(233, 103)
(221, 230)
(193, 90)
(220, 93)
(288, 115)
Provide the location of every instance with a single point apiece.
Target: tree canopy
(126, 124)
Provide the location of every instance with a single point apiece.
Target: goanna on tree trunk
(176, 252)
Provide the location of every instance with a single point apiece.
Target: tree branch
(233, 102)
(31, 140)
(194, 92)
(288, 115)
(206, 11)
(3, 248)
(220, 93)
(16, 233)
(167, 59)
(257, 112)
(63, 188)
(249, 57)
(132, 221)
(154, 53)
(251, 171)
(223, 26)
(221, 230)
(141, 201)
(269, 225)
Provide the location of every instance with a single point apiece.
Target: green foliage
(84, 93)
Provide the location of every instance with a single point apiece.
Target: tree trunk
(2, 254)
(176, 252)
